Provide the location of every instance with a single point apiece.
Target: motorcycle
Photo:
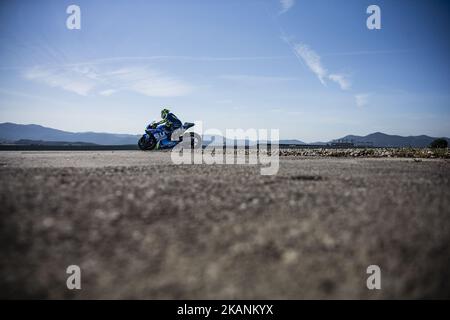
(156, 137)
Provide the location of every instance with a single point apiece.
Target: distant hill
(11, 132)
(292, 141)
(52, 143)
(318, 143)
(379, 139)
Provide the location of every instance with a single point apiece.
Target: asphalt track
(141, 227)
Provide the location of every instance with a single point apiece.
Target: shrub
(439, 143)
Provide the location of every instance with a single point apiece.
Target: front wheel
(147, 142)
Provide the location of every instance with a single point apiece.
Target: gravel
(418, 153)
(142, 228)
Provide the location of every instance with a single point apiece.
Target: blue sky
(310, 68)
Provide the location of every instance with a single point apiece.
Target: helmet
(164, 113)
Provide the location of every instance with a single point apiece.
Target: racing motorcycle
(156, 137)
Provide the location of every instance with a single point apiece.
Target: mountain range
(12, 133)
(379, 139)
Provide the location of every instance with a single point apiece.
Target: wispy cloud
(107, 92)
(314, 63)
(90, 79)
(224, 101)
(77, 81)
(340, 79)
(140, 59)
(148, 82)
(286, 5)
(245, 79)
(362, 99)
(143, 59)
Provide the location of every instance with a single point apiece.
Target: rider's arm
(160, 122)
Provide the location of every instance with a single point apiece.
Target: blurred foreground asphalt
(141, 227)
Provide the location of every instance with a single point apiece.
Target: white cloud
(340, 79)
(224, 101)
(148, 82)
(362, 99)
(70, 80)
(314, 63)
(286, 5)
(251, 80)
(90, 79)
(107, 92)
(312, 60)
(131, 59)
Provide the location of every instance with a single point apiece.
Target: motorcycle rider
(169, 132)
(170, 120)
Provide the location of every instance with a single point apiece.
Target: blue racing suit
(171, 123)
